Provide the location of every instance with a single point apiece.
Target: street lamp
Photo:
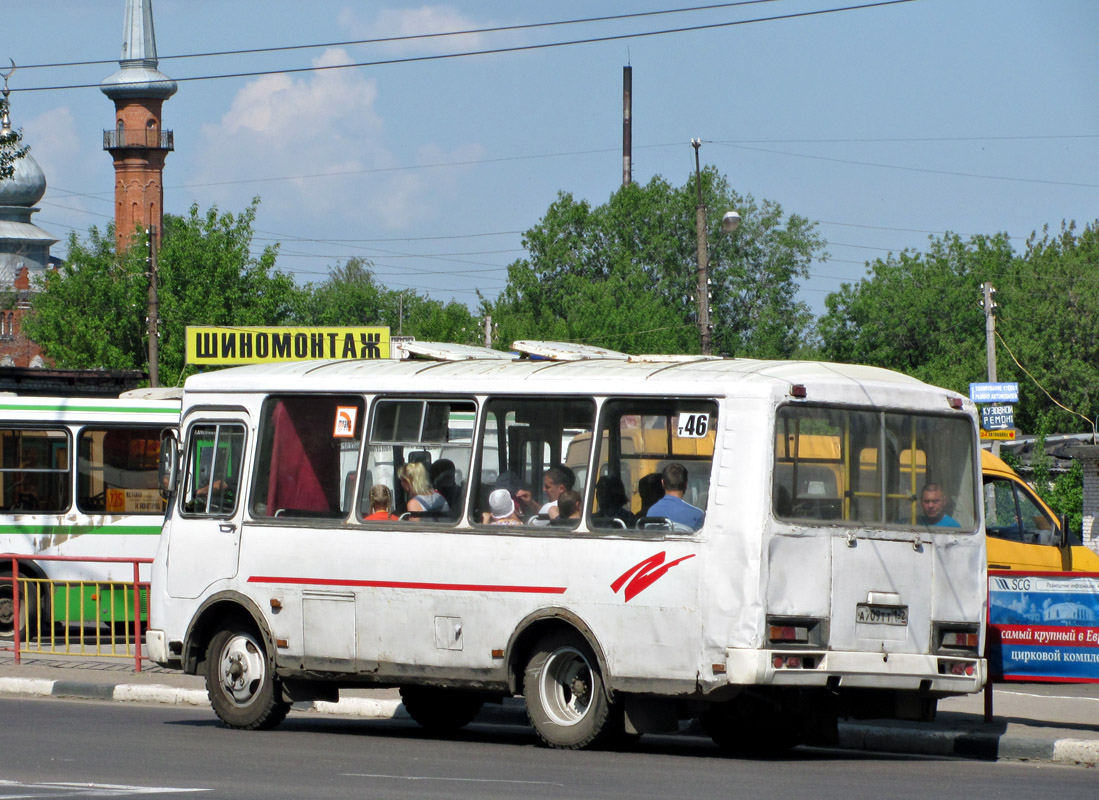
(729, 223)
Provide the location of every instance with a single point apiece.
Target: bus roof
(701, 376)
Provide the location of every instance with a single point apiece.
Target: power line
(911, 169)
(500, 50)
(418, 36)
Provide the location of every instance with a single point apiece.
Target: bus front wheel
(241, 682)
(566, 701)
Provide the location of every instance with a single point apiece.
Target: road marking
(65, 789)
(1050, 696)
(455, 780)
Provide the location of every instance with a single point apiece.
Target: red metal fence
(69, 616)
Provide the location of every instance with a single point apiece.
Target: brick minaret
(137, 143)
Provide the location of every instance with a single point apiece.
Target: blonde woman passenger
(423, 499)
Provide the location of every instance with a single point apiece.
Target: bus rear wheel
(440, 710)
(28, 608)
(241, 682)
(566, 700)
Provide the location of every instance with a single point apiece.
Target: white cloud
(279, 126)
(426, 19)
(321, 134)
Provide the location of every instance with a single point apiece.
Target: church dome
(26, 187)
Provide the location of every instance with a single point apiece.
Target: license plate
(881, 615)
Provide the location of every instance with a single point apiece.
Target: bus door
(205, 528)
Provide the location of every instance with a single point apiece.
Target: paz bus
(812, 590)
(78, 477)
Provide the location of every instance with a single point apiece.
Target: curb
(957, 744)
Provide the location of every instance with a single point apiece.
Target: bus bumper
(938, 674)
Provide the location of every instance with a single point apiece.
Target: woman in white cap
(502, 509)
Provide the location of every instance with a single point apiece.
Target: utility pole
(488, 330)
(703, 289)
(154, 349)
(989, 306)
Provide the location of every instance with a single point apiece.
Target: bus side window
(638, 438)
(436, 434)
(523, 439)
(34, 470)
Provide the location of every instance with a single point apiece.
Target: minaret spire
(137, 143)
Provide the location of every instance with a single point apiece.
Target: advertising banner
(257, 345)
(1043, 626)
(994, 392)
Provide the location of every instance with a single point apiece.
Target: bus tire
(566, 700)
(241, 682)
(440, 710)
(28, 608)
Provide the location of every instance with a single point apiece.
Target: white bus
(813, 589)
(78, 478)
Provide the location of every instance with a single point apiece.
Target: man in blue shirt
(933, 505)
(672, 506)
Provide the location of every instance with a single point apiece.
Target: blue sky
(885, 125)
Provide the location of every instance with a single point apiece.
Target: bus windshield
(874, 468)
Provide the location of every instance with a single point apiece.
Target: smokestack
(627, 135)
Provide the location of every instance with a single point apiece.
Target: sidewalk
(1037, 722)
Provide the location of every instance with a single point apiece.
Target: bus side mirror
(169, 462)
(1060, 535)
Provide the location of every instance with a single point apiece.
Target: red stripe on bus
(453, 587)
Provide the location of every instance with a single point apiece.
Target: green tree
(1048, 318)
(208, 276)
(919, 313)
(352, 296)
(92, 312)
(624, 275)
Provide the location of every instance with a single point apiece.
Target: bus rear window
(874, 469)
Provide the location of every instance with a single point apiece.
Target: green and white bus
(78, 478)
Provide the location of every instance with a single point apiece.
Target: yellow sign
(1008, 434)
(134, 501)
(260, 345)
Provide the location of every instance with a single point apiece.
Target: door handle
(227, 527)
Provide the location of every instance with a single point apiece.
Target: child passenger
(381, 500)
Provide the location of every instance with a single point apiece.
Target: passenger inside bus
(423, 499)
(933, 505)
(555, 480)
(612, 503)
(672, 506)
(502, 509)
(381, 503)
(444, 477)
(650, 488)
(569, 505)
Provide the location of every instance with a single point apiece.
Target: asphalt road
(55, 748)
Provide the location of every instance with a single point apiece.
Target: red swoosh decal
(645, 574)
